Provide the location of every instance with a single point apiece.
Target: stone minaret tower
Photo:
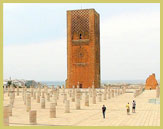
(83, 48)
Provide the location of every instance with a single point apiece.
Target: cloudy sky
(35, 37)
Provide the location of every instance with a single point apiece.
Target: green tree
(9, 83)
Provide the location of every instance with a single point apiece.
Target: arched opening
(80, 36)
(80, 86)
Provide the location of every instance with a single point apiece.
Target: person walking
(103, 111)
(133, 106)
(128, 108)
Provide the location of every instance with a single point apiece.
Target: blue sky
(35, 40)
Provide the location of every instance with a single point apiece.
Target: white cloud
(38, 61)
(130, 49)
(130, 46)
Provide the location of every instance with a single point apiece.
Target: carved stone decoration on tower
(83, 48)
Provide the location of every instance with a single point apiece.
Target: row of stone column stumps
(45, 94)
(139, 91)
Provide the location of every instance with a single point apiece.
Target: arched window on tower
(80, 36)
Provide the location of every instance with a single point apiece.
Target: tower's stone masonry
(83, 48)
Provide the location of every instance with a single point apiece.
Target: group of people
(133, 107)
(127, 106)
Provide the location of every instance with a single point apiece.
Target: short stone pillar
(52, 110)
(118, 91)
(78, 87)
(51, 93)
(28, 102)
(55, 99)
(48, 97)
(14, 93)
(81, 95)
(34, 95)
(46, 90)
(109, 94)
(43, 94)
(17, 90)
(10, 110)
(6, 115)
(73, 97)
(8, 90)
(70, 93)
(55, 93)
(112, 93)
(4, 88)
(77, 101)
(42, 103)
(157, 92)
(33, 117)
(64, 97)
(100, 97)
(63, 89)
(67, 106)
(38, 92)
(73, 88)
(94, 97)
(90, 91)
(38, 98)
(58, 92)
(104, 95)
(25, 89)
(86, 100)
(123, 89)
(32, 91)
(11, 98)
(52, 88)
(24, 97)
(136, 93)
(105, 89)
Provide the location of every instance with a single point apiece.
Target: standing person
(128, 108)
(103, 111)
(133, 106)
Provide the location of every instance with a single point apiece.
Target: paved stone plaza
(147, 114)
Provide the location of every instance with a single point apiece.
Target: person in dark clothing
(133, 106)
(103, 111)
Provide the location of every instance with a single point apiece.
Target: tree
(9, 83)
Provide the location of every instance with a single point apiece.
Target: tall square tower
(83, 48)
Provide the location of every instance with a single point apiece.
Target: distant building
(151, 82)
(4, 83)
(29, 83)
(19, 83)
